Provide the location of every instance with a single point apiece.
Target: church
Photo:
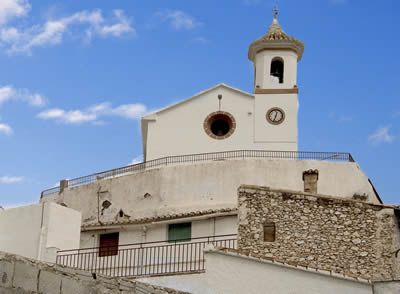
(224, 202)
(227, 118)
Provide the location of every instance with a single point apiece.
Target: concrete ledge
(235, 253)
(23, 275)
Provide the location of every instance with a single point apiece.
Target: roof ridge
(195, 96)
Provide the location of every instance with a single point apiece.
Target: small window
(277, 70)
(179, 232)
(109, 244)
(269, 232)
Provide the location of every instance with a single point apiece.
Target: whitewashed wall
(215, 226)
(263, 69)
(389, 287)
(179, 130)
(38, 231)
(276, 135)
(226, 273)
(208, 185)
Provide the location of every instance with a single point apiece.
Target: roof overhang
(263, 45)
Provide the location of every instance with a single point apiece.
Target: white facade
(38, 231)
(262, 66)
(285, 133)
(158, 231)
(276, 136)
(232, 273)
(179, 129)
(209, 185)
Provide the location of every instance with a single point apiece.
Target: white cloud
(10, 180)
(136, 160)
(9, 93)
(381, 135)
(84, 23)
(122, 26)
(68, 117)
(93, 113)
(10, 9)
(5, 129)
(6, 94)
(130, 111)
(178, 19)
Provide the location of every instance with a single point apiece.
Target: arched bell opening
(277, 70)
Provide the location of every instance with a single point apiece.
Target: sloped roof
(152, 116)
(276, 38)
(158, 218)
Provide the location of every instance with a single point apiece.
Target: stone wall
(21, 275)
(350, 237)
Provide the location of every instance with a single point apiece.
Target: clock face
(275, 116)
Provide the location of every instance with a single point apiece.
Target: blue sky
(77, 75)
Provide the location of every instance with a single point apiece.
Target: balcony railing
(191, 158)
(145, 259)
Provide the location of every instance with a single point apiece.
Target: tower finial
(275, 13)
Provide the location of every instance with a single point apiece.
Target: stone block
(6, 274)
(49, 283)
(71, 285)
(25, 276)
(11, 291)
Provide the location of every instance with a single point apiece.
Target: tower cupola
(275, 56)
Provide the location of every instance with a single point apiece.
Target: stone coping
(239, 254)
(295, 194)
(17, 269)
(154, 219)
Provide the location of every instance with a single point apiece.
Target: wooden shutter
(109, 244)
(179, 232)
(269, 232)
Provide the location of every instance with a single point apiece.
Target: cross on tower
(275, 12)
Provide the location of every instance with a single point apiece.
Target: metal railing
(145, 259)
(191, 158)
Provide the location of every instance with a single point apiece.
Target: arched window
(277, 70)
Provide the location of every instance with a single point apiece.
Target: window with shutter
(179, 232)
(269, 232)
(109, 244)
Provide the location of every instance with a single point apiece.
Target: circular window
(219, 125)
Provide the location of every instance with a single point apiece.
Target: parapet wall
(350, 237)
(21, 275)
(202, 186)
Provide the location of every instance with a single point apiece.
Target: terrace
(203, 157)
(145, 259)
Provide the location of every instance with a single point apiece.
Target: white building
(224, 118)
(155, 218)
(38, 231)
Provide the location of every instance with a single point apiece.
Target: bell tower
(275, 57)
